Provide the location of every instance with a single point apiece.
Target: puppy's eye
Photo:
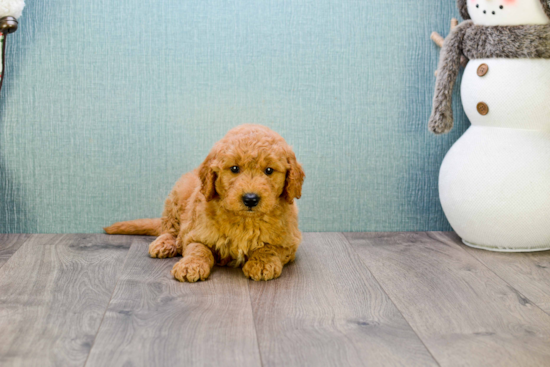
(268, 171)
(235, 169)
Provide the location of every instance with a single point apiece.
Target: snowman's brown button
(482, 69)
(482, 108)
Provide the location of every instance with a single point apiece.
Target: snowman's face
(507, 12)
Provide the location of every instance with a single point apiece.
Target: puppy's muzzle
(251, 200)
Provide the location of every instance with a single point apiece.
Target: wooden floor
(355, 299)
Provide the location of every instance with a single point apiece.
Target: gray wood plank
(53, 294)
(328, 310)
(529, 272)
(465, 314)
(9, 244)
(154, 320)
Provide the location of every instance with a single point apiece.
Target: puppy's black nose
(251, 200)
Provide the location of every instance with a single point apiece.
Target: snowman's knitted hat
(463, 8)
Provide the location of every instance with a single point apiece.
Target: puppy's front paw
(190, 269)
(164, 246)
(263, 269)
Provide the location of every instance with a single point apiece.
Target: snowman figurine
(494, 182)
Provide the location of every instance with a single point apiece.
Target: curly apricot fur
(205, 218)
(164, 246)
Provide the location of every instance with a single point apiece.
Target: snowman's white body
(494, 182)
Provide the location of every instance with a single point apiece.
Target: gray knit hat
(463, 8)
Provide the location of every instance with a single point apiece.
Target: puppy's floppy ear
(294, 179)
(208, 178)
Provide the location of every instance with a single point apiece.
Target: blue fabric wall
(107, 102)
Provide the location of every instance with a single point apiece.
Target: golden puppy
(236, 209)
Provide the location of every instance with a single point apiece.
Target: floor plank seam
(11, 256)
(254, 323)
(498, 276)
(391, 300)
(108, 304)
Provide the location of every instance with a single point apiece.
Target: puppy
(237, 208)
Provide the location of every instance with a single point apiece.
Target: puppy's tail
(144, 227)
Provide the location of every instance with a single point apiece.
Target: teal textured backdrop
(107, 102)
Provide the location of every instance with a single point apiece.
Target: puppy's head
(251, 171)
